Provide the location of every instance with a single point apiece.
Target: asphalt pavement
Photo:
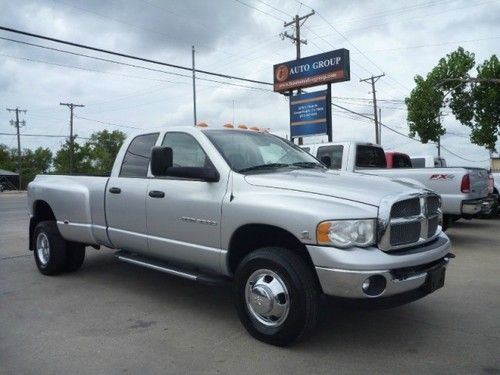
(115, 318)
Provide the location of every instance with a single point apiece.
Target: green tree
(6, 161)
(430, 94)
(82, 161)
(103, 147)
(35, 162)
(478, 107)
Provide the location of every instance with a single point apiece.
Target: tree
(103, 148)
(95, 157)
(82, 161)
(35, 162)
(6, 161)
(479, 106)
(430, 94)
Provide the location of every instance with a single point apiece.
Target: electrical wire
(128, 56)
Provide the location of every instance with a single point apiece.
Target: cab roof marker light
(202, 125)
(228, 126)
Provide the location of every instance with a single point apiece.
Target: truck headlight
(347, 233)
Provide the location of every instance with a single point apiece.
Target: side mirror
(326, 160)
(161, 160)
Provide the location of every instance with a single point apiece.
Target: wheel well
(41, 212)
(254, 236)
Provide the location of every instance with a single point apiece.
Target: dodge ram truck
(463, 190)
(219, 205)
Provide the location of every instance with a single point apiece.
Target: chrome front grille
(408, 221)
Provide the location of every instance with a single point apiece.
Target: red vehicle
(397, 160)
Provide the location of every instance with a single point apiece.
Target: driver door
(183, 215)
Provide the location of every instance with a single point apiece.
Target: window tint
(136, 160)
(331, 156)
(418, 162)
(370, 157)
(401, 161)
(187, 152)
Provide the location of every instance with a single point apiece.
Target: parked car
(464, 191)
(217, 205)
(397, 160)
(428, 161)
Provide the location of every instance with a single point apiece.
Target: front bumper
(341, 273)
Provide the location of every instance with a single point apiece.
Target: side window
(370, 157)
(331, 156)
(418, 162)
(186, 150)
(136, 160)
(402, 161)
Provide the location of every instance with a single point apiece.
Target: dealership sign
(310, 114)
(314, 70)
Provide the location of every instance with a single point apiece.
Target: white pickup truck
(214, 205)
(463, 190)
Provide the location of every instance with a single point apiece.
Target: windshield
(247, 151)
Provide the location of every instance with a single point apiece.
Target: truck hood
(352, 186)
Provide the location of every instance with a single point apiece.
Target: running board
(166, 267)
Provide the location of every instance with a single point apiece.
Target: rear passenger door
(126, 197)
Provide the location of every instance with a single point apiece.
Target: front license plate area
(435, 279)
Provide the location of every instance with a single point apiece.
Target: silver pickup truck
(216, 205)
(463, 190)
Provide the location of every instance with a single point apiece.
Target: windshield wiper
(307, 164)
(263, 167)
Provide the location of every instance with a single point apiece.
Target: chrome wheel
(43, 248)
(267, 298)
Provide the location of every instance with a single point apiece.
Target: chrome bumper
(341, 273)
(472, 207)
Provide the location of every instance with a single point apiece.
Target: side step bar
(166, 267)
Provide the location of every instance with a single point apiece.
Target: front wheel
(277, 296)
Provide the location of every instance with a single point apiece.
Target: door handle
(115, 190)
(156, 194)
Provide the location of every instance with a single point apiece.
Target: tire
(50, 248)
(295, 286)
(75, 254)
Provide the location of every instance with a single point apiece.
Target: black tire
(303, 292)
(56, 259)
(75, 254)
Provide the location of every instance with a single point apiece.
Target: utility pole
(380, 125)
(373, 80)
(18, 124)
(297, 22)
(71, 138)
(194, 87)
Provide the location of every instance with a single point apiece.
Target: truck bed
(78, 203)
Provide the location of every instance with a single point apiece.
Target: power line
(42, 135)
(260, 10)
(128, 56)
(106, 123)
(118, 63)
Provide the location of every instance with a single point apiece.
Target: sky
(236, 37)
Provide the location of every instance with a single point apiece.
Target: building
(495, 164)
(9, 180)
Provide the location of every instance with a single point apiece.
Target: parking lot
(112, 317)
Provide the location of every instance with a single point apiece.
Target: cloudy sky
(241, 38)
